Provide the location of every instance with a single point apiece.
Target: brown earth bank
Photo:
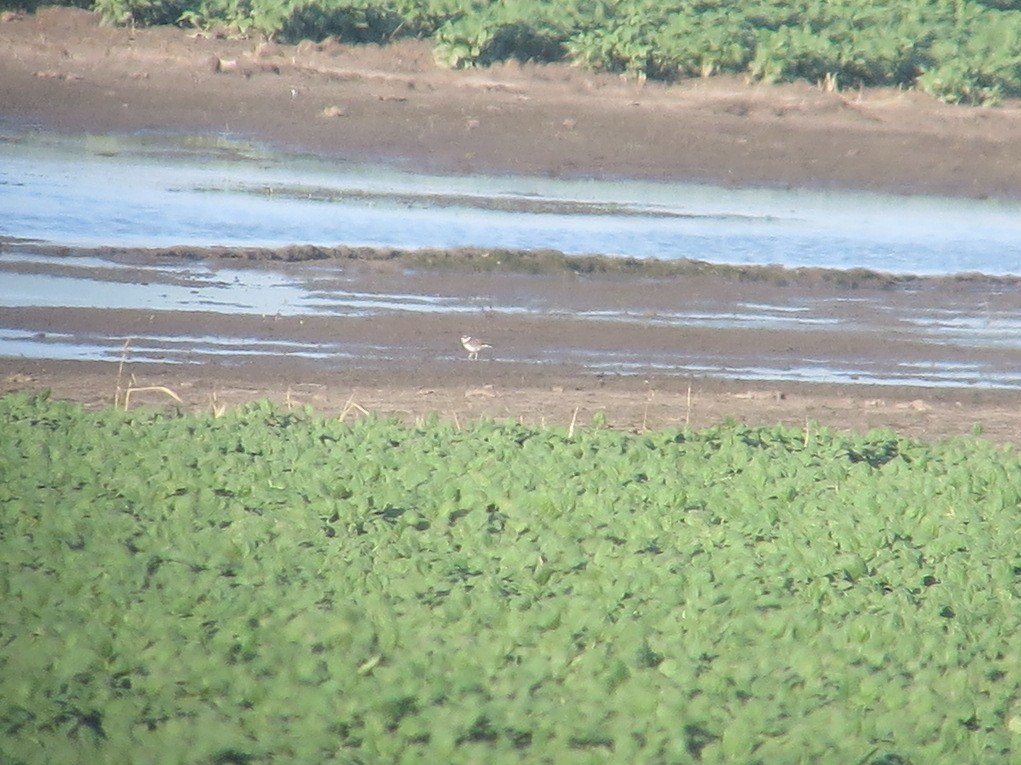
(466, 392)
(63, 71)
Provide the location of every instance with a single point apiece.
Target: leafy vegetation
(271, 586)
(958, 50)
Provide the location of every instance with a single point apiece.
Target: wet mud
(393, 105)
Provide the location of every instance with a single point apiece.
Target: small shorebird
(473, 345)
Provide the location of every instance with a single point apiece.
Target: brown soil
(63, 71)
(552, 398)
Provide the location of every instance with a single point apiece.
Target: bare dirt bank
(468, 394)
(63, 70)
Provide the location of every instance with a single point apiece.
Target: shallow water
(157, 191)
(955, 331)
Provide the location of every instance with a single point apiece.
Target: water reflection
(31, 282)
(151, 192)
(154, 191)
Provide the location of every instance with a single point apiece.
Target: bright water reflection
(149, 192)
(169, 349)
(258, 293)
(858, 372)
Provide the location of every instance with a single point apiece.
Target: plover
(473, 345)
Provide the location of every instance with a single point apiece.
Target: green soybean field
(272, 586)
(957, 50)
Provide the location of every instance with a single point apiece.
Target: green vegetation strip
(272, 586)
(957, 50)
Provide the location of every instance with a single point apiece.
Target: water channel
(159, 191)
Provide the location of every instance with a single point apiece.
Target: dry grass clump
(122, 395)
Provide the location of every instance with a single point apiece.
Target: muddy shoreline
(410, 365)
(65, 72)
(556, 399)
(472, 260)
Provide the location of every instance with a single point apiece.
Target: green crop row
(273, 586)
(957, 50)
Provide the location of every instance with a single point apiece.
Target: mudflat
(64, 71)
